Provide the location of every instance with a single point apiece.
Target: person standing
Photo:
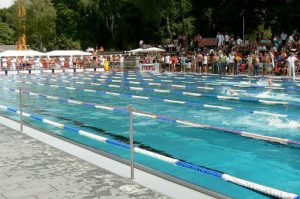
(204, 63)
(13, 63)
(291, 60)
(71, 62)
(256, 62)
(167, 62)
(250, 64)
(230, 63)
(199, 61)
(183, 59)
(216, 63)
(174, 61)
(36, 63)
(4, 63)
(62, 62)
(283, 37)
(223, 63)
(121, 61)
(237, 60)
(239, 41)
(219, 39)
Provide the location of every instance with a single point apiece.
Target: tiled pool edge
(148, 179)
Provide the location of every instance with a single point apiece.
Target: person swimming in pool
(230, 91)
(270, 83)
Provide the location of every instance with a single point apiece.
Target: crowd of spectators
(230, 55)
(233, 55)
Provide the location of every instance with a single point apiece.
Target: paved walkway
(32, 169)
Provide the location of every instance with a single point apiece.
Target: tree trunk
(168, 27)
(182, 18)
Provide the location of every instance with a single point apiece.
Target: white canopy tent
(146, 50)
(138, 50)
(67, 53)
(153, 49)
(21, 53)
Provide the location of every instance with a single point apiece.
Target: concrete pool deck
(32, 169)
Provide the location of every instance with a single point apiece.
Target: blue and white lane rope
(164, 118)
(244, 85)
(210, 79)
(231, 77)
(200, 169)
(185, 77)
(219, 97)
(187, 103)
(161, 78)
(183, 93)
(151, 82)
(129, 80)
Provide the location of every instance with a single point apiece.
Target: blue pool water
(262, 162)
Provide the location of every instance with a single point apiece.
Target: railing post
(131, 142)
(21, 109)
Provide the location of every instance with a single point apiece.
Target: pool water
(262, 162)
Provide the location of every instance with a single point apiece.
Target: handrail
(200, 169)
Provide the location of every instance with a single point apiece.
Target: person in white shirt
(167, 62)
(13, 63)
(141, 43)
(101, 61)
(221, 40)
(204, 63)
(239, 41)
(283, 37)
(230, 63)
(121, 61)
(71, 62)
(226, 39)
(4, 63)
(291, 40)
(36, 63)
(291, 60)
(218, 36)
(62, 62)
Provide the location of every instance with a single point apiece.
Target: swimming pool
(256, 108)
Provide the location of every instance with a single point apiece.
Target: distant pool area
(200, 131)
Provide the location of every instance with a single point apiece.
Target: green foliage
(267, 31)
(189, 27)
(6, 34)
(120, 24)
(66, 21)
(40, 23)
(63, 43)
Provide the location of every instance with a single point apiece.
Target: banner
(149, 67)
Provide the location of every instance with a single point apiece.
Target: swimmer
(230, 91)
(270, 83)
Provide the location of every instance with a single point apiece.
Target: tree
(6, 34)
(120, 24)
(172, 17)
(40, 23)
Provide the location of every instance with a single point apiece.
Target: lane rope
(200, 169)
(163, 118)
